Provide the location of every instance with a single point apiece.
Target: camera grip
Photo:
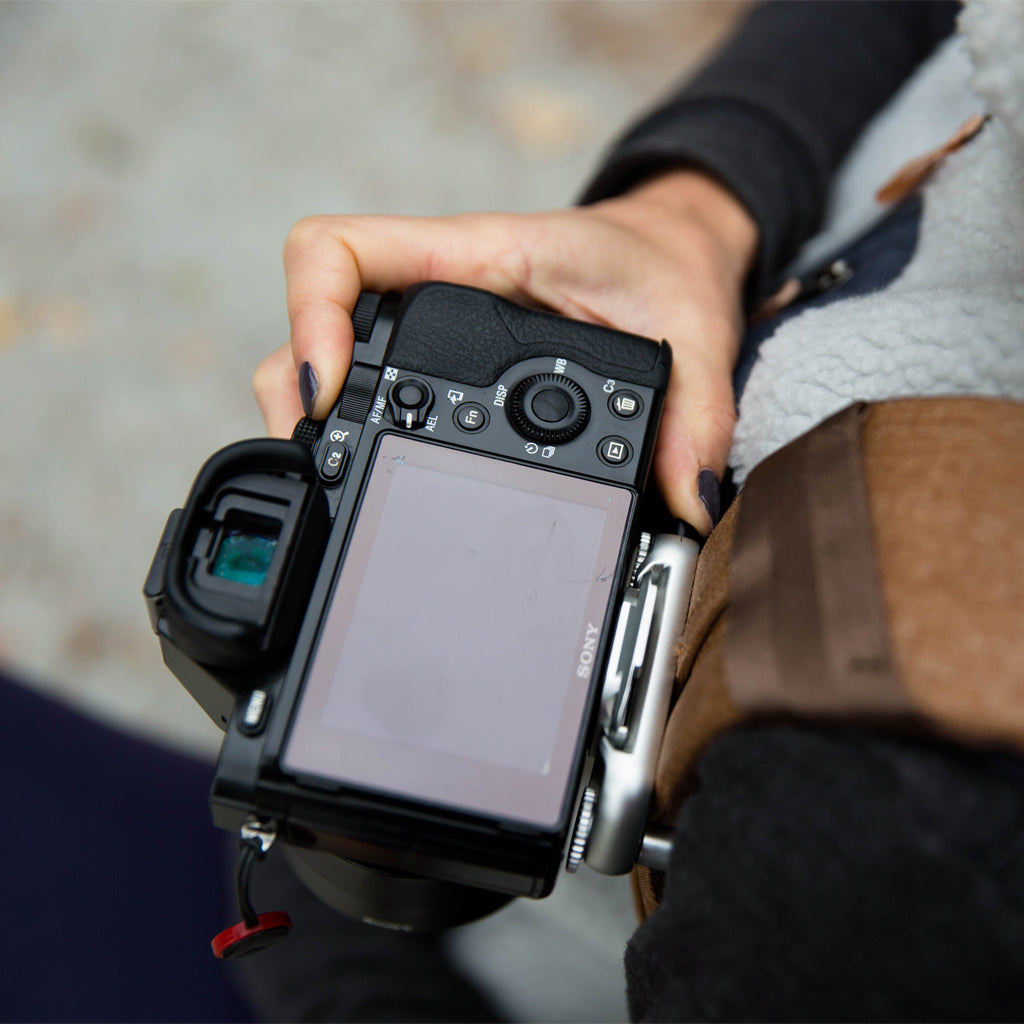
(472, 336)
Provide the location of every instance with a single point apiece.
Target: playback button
(614, 451)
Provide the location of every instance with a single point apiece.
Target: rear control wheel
(549, 407)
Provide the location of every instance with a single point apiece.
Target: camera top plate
(506, 381)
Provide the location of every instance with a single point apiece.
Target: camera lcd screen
(458, 650)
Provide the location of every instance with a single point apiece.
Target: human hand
(667, 260)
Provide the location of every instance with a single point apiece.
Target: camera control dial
(549, 407)
(410, 399)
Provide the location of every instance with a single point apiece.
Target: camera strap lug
(263, 833)
(254, 932)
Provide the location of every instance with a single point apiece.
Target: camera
(435, 629)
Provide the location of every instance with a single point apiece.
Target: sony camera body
(429, 626)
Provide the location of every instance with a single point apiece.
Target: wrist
(696, 198)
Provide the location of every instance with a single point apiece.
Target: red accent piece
(222, 943)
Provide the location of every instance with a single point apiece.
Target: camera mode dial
(549, 407)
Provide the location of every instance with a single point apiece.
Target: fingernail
(710, 493)
(308, 387)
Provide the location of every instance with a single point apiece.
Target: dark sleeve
(837, 875)
(775, 111)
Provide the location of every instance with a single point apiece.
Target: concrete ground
(152, 159)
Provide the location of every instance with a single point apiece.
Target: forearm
(776, 110)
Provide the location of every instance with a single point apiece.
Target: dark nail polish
(710, 493)
(308, 387)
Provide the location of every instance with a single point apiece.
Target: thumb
(693, 444)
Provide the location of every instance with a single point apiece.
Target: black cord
(249, 851)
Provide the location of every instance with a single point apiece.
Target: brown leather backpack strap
(871, 572)
(946, 483)
(807, 629)
(878, 573)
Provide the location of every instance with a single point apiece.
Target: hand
(667, 260)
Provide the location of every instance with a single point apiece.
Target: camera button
(411, 400)
(627, 405)
(471, 417)
(332, 465)
(614, 451)
(410, 394)
(551, 405)
(255, 713)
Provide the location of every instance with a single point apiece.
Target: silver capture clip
(635, 703)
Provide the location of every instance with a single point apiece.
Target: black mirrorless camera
(437, 640)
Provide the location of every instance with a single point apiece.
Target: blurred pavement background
(152, 159)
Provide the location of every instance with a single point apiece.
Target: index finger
(329, 260)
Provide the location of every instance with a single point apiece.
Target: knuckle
(723, 415)
(308, 232)
(266, 374)
(508, 247)
(718, 418)
(261, 378)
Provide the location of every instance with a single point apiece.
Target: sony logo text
(589, 652)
